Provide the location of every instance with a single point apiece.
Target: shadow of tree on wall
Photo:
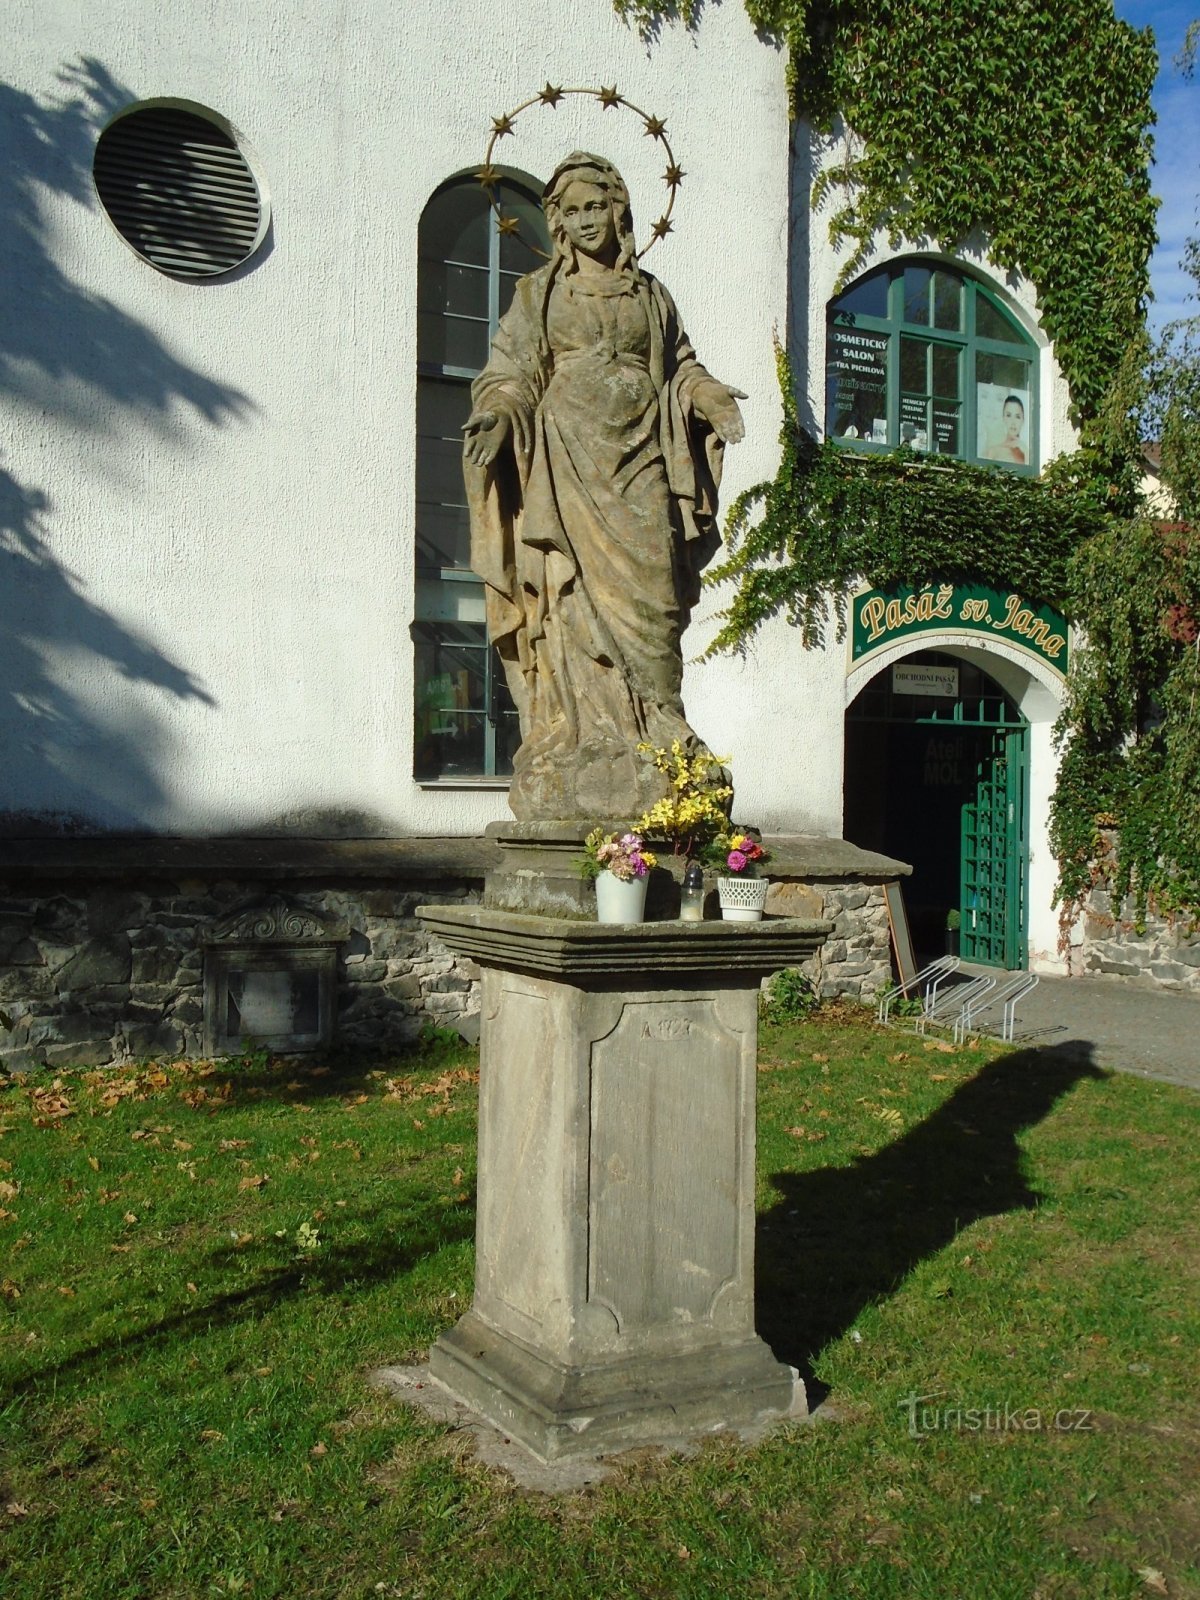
(842, 1238)
(73, 360)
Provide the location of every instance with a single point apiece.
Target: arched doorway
(937, 774)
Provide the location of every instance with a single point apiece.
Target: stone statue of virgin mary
(592, 460)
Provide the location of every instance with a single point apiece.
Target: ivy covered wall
(1024, 128)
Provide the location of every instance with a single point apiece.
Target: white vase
(620, 900)
(742, 899)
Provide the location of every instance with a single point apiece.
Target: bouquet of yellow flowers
(693, 814)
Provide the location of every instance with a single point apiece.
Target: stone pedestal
(614, 1291)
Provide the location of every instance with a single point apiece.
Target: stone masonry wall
(1107, 940)
(89, 977)
(856, 959)
(102, 945)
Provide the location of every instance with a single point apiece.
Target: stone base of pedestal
(614, 1273)
(559, 1412)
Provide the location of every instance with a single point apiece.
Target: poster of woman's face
(1003, 423)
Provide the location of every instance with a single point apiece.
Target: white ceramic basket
(618, 900)
(742, 899)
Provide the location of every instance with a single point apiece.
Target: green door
(994, 851)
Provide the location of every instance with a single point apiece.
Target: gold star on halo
(507, 224)
(662, 228)
(674, 176)
(608, 98)
(654, 126)
(488, 175)
(502, 125)
(550, 96)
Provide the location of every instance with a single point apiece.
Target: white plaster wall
(208, 631)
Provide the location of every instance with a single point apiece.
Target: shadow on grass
(428, 1226)
(841, 1238)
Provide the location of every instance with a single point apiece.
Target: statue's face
(587, 216)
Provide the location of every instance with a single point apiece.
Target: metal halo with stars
(655, 128)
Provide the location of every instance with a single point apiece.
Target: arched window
(465, 721)
(920, 354)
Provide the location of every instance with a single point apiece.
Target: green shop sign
(884, 616)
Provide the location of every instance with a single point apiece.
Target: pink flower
(736, 861)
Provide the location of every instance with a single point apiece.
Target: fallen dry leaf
(65, 1288)
(14, 1508)
(130, 1217)
(254, 1181)
(93, 1163)
(210, 1434)
(9, 1191)
(9, 1290)
(319, 1449)
(1153, 1579)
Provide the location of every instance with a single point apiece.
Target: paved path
(1154, 1033)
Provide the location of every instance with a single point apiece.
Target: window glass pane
(1003, 408)
(914, 372)
(516, 252)
(508, 282)
(454, 226)
(1008, 371)
(947, 302)
(856, 384)
(945, 371)
(866, 298)
(443, 405)
(507, 724)
(450, 597)
(991, 323)
(443, 540)
(451, 707)
(453, 341)
(916, 295)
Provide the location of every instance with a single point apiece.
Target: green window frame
(464, 722)
(922, 354)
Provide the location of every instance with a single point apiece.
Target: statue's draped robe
(591, 533)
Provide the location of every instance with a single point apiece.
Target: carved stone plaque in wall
(270, 973)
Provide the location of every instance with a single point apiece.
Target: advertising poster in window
(1003, 423)
(945, 428)
(856, 376)
(913, 429)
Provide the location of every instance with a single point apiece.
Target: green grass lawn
(199, 1265)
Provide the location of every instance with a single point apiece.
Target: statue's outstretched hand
(485, 433)
(718, 405)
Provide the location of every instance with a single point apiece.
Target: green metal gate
(995, 829)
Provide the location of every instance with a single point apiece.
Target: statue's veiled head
(594, 173)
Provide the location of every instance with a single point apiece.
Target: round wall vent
(179, 191)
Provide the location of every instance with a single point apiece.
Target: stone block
(20, 1060)
(86, 1053)
(26, 983)
(405, 988)
(107, 959)
(61, 921)
(148, 1040)
(795, 900)
(115, 911)
(851, 899)
(396, 944)
(367, 972)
